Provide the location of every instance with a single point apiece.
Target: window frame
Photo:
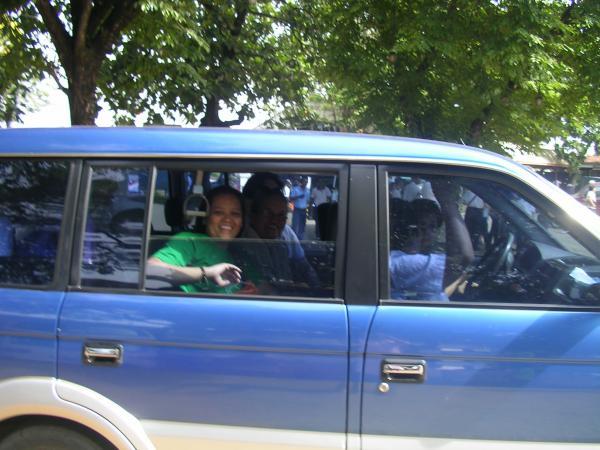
(63, 246)
(338, 168)
(514, 183)
(82, 211)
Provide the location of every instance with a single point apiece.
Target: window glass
(246, 234)
(33, 196)
(472, 240)
(114, 227)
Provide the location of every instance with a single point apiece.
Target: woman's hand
(223, 274)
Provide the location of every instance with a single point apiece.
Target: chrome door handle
(403, 370)
(103, 354)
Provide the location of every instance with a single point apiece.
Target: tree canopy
(82, 33)
(500, 74)
(21, 67)
(195, 59)
(178, 59)
(496, 73)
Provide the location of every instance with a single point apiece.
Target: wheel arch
(18, 422)
(23, 400)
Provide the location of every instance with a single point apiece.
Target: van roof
(198, 142)
(174, 142)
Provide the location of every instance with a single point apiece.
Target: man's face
(269, 222)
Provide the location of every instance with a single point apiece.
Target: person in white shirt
(418, 188)
(396, 188)
(320, 194)
(590, 196)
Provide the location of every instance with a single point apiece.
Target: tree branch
(566, 15)
(51, 70)
(109, 23)
(60, 37)
(242, 9)
(229, 123)
(100, 12)
(81, 11)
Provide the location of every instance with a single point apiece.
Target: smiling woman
(197, 263)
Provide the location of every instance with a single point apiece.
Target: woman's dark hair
(226, 190)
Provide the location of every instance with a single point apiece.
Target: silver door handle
(103, 354)
(410, 371)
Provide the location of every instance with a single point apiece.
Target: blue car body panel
(359, 322)
(510, 372)
(526, 375)
(272, 364)
(28, 321)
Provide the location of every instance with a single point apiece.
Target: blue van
(189, 289)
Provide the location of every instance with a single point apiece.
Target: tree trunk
(82, 92)
(211, 113)
(82, 45)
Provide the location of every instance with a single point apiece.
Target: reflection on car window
(33, 195)
(206, 247)
(470, 240)
(114, 227)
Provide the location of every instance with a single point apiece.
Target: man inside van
(267, 220)
(270, 181)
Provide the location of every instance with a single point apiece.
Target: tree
(194, 60)
(83, 33)
(492, 73)
(21, 67)
(581, 98)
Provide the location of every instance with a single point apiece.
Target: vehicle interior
(523, 255)
(530, 258)
(115, 229)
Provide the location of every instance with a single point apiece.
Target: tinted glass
(114, 227)
(283, 247)
(32, 197)
(472, 240)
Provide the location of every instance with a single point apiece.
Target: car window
(471, 240)
(264, 233)
(114, 226)
(33, 196)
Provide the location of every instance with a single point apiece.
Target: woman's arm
(222, 274)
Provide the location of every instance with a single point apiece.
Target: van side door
(202, 369)
(497, 348)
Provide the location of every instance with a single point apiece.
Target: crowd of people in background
(586, 190)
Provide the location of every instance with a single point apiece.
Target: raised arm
(459, 249)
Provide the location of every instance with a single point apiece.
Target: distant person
(396, 188)
(320, 194)
(299, 197)
(590, 196)
(418, 188)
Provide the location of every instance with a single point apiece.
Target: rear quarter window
(31, 211)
